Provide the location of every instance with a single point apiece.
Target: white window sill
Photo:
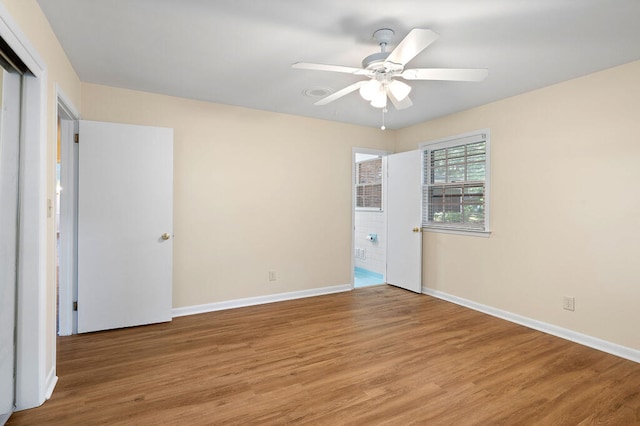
(470, 232)
(368, 209)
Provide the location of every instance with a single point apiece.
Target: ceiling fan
(384, 67)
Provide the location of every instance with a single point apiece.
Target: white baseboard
(4, 418)
(583, 339)
(260, 300)
(52, 380)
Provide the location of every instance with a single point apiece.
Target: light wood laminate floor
(377, 355)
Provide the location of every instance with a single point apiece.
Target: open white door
(404, 218)
(125, 222)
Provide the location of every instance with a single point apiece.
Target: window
(455, 187)
(369, 184)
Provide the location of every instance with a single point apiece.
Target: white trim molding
(67, 249)
(259, 300)
(583, 339)
(64, 102)
(52, 380)
(482, 234)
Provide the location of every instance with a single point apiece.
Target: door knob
(416, 229)
(166, 236)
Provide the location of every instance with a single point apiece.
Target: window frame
(364, 185)
(449, 142)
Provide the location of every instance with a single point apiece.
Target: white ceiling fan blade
(340, 93)
(451, 74)
(415, 42)
(403, 104)
(332, 68)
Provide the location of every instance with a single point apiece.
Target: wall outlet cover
(569, 303)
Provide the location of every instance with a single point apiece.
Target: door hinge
(76, 138)
(75, 306)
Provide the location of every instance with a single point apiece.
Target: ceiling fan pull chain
(383, 127)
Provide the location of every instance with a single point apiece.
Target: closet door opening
(10, 119)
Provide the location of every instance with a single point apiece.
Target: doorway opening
(369, 217)
(66, 218)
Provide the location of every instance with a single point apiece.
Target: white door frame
(354, 151)
(33, 381)
(68, 254)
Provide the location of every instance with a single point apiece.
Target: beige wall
(254, 191)
(564, 206)
(32, 22)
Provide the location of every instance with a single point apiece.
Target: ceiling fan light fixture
(399, 90)
(369, 90)
(380, 99)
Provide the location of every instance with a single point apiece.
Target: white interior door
(125, 212)
(404, 218)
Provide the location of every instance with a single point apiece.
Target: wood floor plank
(377, 355)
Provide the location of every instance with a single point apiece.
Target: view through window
(369, 184)
(455, 183)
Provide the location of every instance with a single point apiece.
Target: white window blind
(369, 184)
(455, 184)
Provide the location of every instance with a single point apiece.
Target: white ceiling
(239, 52)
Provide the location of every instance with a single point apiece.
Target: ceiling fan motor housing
(374, 61)
(377, 61)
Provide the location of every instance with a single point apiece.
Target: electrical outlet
(569, 303)
(272, 275)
